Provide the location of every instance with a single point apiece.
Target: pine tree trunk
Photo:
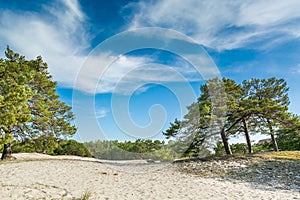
(6, 151)
(225, 143)
(44, 146)
(275, 146)
(274, 142)
(247, 136)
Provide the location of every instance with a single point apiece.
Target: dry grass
(282, 155)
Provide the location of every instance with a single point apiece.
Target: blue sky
(131, 67)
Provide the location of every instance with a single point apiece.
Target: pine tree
(270, 102)
(14, 95)
(29, 103)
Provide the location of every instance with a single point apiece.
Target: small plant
(86, 195)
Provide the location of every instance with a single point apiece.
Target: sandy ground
(69, 177)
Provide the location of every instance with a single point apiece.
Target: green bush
(288, 140)
(26, 145)
(72, 147)
(129, 150)
(238, 148)
(53, 147)
(266, 146)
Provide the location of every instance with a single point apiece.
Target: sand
(36, 176)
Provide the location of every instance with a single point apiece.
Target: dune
(38, 176)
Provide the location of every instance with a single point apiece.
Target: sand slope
(70, 177)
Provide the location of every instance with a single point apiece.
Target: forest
(34, 119)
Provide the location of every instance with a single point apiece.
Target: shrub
(72, 147)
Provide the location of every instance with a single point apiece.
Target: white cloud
(59, 36)
(296, 70)
(223, 24)
(143, 89)
(56, 34)
(101, 113)
(107, 73)
(101, 73)
(74, 8)
(268, 12)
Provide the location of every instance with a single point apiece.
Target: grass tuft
(86, 195)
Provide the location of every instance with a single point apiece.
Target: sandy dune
(69, 177)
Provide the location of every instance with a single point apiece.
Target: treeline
(29, 105)
(226, 109)
(54, 146)
(166, 151)
(130, 150)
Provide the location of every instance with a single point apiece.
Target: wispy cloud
(60, 37)
(143, 89)
(101, 113)
(109, 73)
(296, 70)
(57, 35)
(101, 74)
(223, 24)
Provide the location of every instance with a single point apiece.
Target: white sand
(67, 177)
